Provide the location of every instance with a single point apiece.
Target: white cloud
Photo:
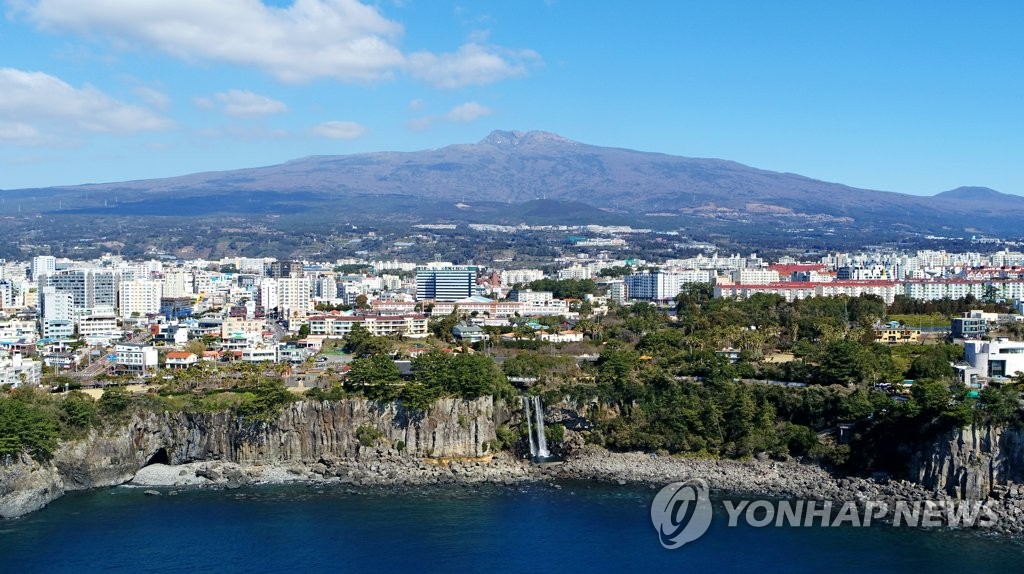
(416, 104)
(38, 107)
(245, 104)
(153, 97)
(248, 133)
(343, 39)
(338, 130)
(308, 39)
(468, 112)
(204, 103)
(19, 134)
(462, 113)
(472, 65)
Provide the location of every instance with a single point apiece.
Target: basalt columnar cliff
(971, 463)
(504, 176)
(322, 441)
(304, 433)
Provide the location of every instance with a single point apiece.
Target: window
(997, 368)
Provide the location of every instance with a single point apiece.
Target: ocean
(561, 527)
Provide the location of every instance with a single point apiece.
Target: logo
(681, 512)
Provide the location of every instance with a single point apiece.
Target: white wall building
(520, 276)
(16, 370)
(999, 358)
(139, 297)
(135, 359)
(57, 317)
(337, 326)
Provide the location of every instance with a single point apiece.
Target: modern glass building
(444, 282)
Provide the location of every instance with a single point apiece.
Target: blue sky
(883, 95)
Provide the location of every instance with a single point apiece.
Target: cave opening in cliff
(159, 457)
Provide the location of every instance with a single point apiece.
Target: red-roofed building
(180, 360)
(337, 325)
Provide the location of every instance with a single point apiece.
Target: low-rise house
(292, 353)
(893, 333)
(180, 360)
(997, 359)
(468, 333)
(967, 327)
(730, 354)
(562, 337)
(258, 355)
(135, 359)
(17, 370)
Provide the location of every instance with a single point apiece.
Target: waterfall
(542, 441)
(529, 427)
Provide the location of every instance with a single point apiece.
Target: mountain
(982, 201)
(479, 181)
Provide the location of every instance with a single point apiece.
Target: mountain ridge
(509, 166)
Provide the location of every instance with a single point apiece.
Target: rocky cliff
(303, 432)
(971, 463)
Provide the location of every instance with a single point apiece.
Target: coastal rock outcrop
(970, 463)
(305, 432)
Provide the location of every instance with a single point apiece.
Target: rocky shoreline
(364, 444)
(750, 479)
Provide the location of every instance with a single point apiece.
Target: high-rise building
(444, 281)
(139, 297)
(279, 269)
(293, 295)
(7, 291)
(177, 283)
(43, 265)
(56, 315)
(89, 288)
(662, 285)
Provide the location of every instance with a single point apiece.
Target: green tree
(78, 413)
(433, 369)
(1000, 403)
(26, 425)
(418, 397)
(474, 376)
(376, 376)
(114, 401)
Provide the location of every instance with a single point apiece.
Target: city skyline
(872, 95)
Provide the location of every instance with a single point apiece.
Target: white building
(530, 296)
(259, 355)
(15, 330)
(663, 285)
(337, 326)
(57, 317)
(139, 297)
(177, 283)
(759, 276)
(16, 370)
(293, 296)
(89, 288)
(999, 358)
(578, 272)
(135, 359)
(98, 326)
(7, 293)
(43, 265)
(520, 276)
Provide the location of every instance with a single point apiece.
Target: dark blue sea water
(580, 527)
